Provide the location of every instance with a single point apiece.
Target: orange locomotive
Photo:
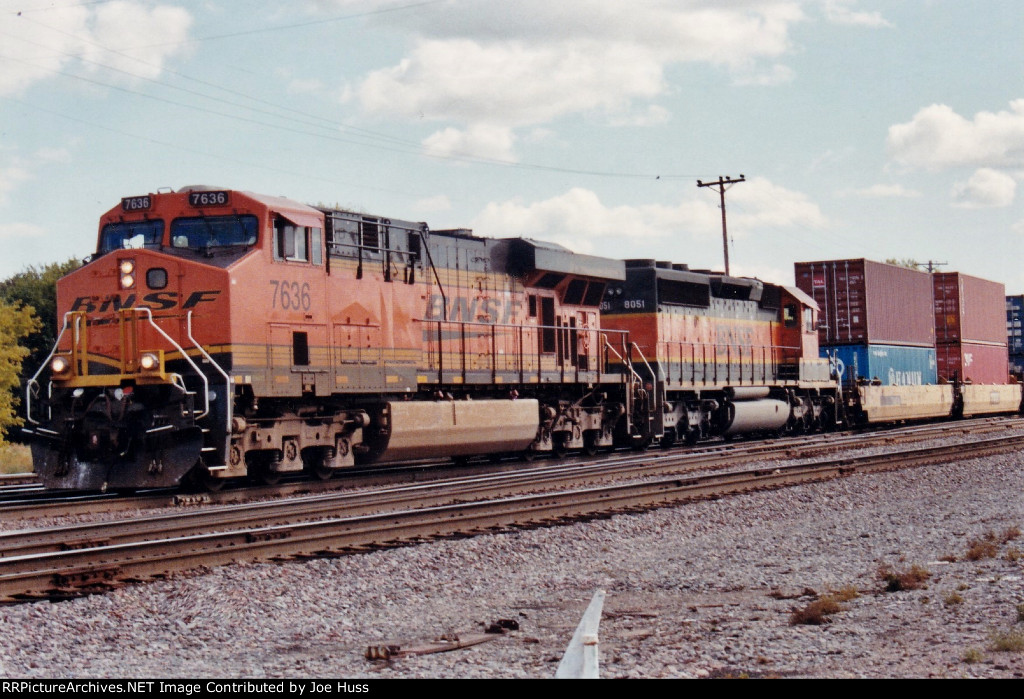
(720, 355)
(216, 334)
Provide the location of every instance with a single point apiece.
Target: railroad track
(25, 501)
(103, 557)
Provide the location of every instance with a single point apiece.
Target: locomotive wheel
(321, 472)
(668, 440)
(264, 475)
(559, 446)
(319, 466)
(590, 445)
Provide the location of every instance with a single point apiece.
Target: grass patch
(985, 547)
(953, 599)
(897, 581)
(1014, 554)
(15, 458)
(845, 594)
(973, 655)
(1007, 641)
(816, 613)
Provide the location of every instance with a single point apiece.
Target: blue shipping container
(1014, 321)
(891, 364)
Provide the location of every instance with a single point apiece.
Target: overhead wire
(396, 144)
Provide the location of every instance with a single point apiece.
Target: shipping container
(973, 362)
(891, 365)
(1017, 366)
(968, 309)
(863, 302)
(1014, 318)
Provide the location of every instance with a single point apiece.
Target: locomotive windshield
(131, 234)
(213, 231)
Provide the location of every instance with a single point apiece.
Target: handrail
(46, 362)
(228, 398)
(184, 355)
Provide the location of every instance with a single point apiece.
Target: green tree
(906, 262)
(17, 321)
(36, 287)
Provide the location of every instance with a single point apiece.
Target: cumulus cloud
(938, 138)
(579, 219)
(884, 191)
(987, 188)
(841, 12)
(479, 141)
(19, 169)
(439, 202)
(530, 62)
(126, 35)
(20, 231)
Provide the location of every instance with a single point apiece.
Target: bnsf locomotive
(218, 334)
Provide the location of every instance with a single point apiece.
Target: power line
(397, 144)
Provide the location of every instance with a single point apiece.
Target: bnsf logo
(157, 301)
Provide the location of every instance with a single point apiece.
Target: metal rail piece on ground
(580, 660)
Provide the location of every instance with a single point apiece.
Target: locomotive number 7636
(291, 295)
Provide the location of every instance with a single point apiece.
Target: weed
(896, 581)
(985, 547)
(1020, 612)
(1014, 554)
(962, 586)
(953, 599)
(1010, 534)
(845, 594)
(15, 458)
(815, 613)
(1007, 641)
(973, 655)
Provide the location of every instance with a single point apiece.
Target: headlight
(149, 361)
(127, 269)
(60, 365)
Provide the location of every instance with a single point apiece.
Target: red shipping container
(969, 309)
(865, 302)
(974, 362)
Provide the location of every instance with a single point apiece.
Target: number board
(208, 199)
(129, 204)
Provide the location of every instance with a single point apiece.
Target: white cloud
(127, 35)
(11, 176)
(478, 141)
(884, 191)
(482, 62)
(938, 138)
(20, 231)
(987, 188)
(775, 75)
(439, 202)
(579, 220)
(839, 12)
(22, 169)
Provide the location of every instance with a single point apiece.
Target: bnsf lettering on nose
(157, 301)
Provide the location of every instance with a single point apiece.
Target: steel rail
(435, 492)
(78, 571)
(42, 504)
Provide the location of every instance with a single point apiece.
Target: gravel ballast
(701, 590)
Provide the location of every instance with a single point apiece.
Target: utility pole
(932, 265)
(723, 184)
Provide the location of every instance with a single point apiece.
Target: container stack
(1014, 334)
(970, 329)
(876, 319)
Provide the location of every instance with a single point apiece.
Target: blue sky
(864, 129)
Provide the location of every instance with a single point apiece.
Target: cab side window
(789, 317)
(297, 243)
